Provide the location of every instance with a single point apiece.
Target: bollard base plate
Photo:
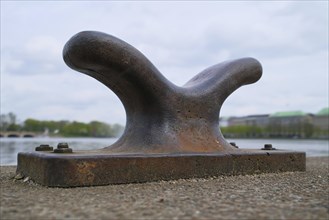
(94, 168)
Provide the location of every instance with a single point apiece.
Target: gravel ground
(299, 195)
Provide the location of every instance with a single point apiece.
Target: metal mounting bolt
(234, 144)
(44, 147)
(268, 147)
(63, 148)
(62, 145)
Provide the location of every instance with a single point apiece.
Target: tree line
(66, 128)
(63, 128)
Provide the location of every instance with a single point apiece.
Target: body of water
(10, 147)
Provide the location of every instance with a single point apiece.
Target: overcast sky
(289, 38)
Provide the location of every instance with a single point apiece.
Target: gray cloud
(180, 38)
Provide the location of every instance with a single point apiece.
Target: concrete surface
(299, 195)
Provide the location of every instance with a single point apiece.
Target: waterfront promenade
(299, 195)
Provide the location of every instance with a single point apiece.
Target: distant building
(321, 123)
(247, 126)
(290, 124)
(250, 120)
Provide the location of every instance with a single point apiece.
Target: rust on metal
(90, 169)
(171, 131)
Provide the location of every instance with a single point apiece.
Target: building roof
(324, 111)
(288, 114)
(258, 116)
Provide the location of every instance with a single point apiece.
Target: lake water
(9, 147)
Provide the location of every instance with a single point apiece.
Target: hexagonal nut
(234, 144)
(44, 147)
(63, 145)
(268, 147)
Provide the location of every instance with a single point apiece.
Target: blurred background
(43, 98)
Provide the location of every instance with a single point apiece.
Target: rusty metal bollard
(161, 117)
(171, 132)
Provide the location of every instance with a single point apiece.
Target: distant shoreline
(229, 138)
